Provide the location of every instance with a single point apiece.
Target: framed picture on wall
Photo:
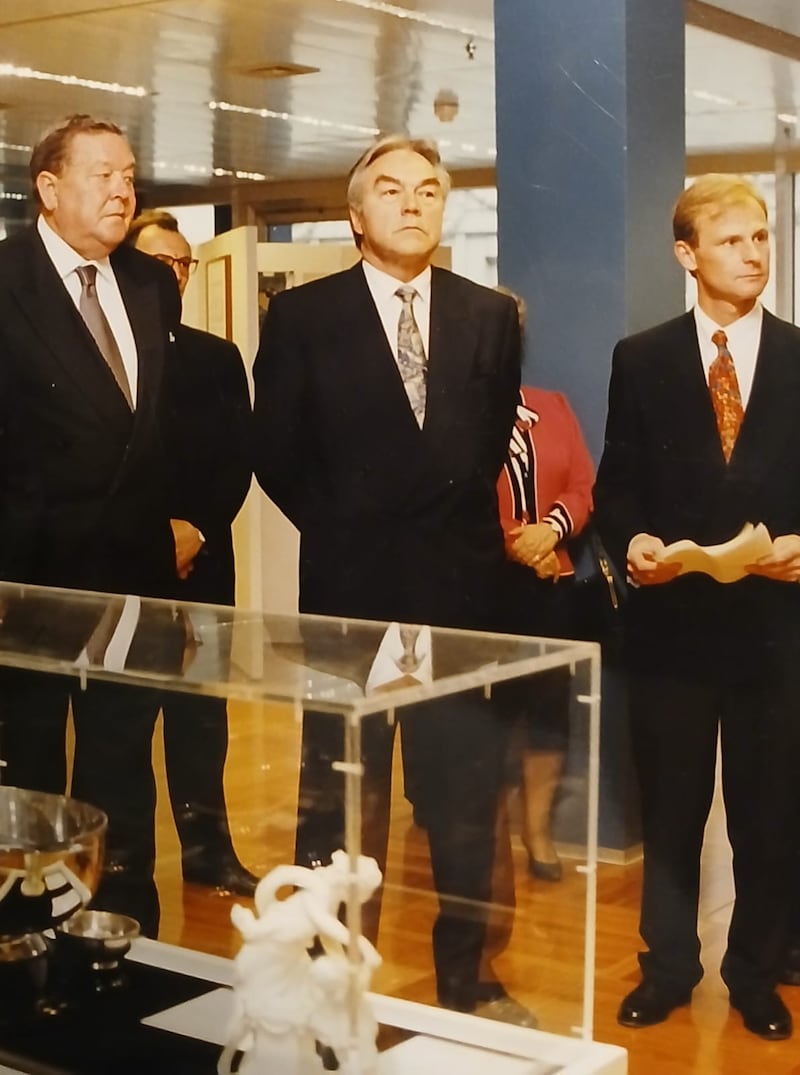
(218, 297)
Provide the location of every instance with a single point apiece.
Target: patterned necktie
(411, 360)
(92, 313)
(725, 396)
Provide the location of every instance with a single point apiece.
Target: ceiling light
(206, 170)
(189, 168)
(15, 147)
(714, 98)
(417, 16)
(238, 174)
(10, 70)
(445, 106)
(290, 117)
(277, 70)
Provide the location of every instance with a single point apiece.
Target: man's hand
(533, 543)
(644, 567)
(188, 543)
(783, 563)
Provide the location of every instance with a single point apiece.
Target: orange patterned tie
(725, 396)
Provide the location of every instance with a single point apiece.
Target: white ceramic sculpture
(300, 999)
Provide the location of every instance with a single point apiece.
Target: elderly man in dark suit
(703, 437)
(385, 397)
(207, 421)
(85, 328)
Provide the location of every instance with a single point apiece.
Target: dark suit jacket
(663, 473)
(396, 522)
(82, 496)
(207, 430)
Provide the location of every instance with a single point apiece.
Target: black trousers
(458, 747)
(675, 723)
(195, 747)
(112, 770)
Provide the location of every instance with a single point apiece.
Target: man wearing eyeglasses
(206, 417)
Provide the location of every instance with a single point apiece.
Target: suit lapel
(141, 300)
(371, 359)
(47, 304)
(451, 350)
(773, 401)
(682, 394)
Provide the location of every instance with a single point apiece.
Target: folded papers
(726, 562)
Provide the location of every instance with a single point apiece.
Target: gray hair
(388, 144)
(51, 152)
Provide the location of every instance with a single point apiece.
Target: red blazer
(563, 471)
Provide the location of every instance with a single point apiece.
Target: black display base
(101, 1033)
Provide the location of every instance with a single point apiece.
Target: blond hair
(708, 195)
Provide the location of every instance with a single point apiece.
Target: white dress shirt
(744, 339)
(382, 287)
(66, 262)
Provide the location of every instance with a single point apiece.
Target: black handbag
(599, 593)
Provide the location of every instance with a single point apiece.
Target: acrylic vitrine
(295, 681)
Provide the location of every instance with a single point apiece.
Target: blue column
(590, 160)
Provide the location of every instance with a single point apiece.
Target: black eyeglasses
(187, 265)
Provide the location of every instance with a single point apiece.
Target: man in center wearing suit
(206, 429)
(385, 397)
(702, 437)
(85, 329)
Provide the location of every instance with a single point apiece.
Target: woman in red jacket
(545, 498)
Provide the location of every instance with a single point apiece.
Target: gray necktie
(92, 314)
(411, 360)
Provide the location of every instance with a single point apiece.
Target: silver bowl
(51, 854)
(103, 937)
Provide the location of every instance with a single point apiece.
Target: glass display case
(313, 761)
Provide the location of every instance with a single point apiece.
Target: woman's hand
(548, 567)
(532, 543)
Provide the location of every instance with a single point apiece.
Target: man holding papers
(703, 437)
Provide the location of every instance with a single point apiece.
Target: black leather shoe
(649, 1004)
(225, 877)
(490, 1001)
(764, 1013)
(790, 972)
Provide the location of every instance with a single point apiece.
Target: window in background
(196, 222)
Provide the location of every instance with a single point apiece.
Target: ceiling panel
(377, 71)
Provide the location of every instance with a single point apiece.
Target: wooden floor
(542, 964)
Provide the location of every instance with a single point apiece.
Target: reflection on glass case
(348, 741)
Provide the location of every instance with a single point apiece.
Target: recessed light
(715, 98)
(276, 70)
(417, 16)
(292, 117)
(10, 70)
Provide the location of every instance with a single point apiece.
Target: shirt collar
(384, 285)
(749, 324)
(64, 258)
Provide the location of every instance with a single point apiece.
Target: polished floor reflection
(542, 966)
